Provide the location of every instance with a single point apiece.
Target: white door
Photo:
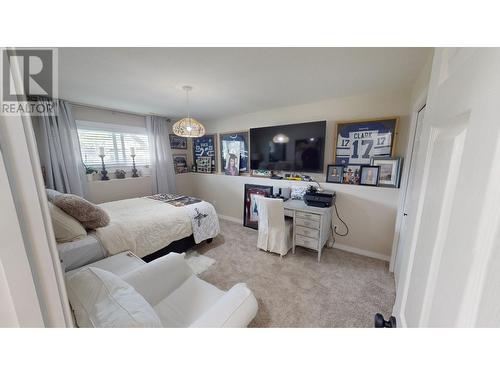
(411, 199)
(452, 243)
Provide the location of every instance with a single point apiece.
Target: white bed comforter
(143, 226)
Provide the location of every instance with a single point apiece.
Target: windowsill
(119, 179)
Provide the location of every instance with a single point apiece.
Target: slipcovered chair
(162, 293)
(275, 233)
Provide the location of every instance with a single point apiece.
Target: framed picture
(204, 147)
(180, 163)
(335, 173)
(390, 171)
(177, 143)
(250, 212)
(352, 174)
(369, 175)
(234, 149)
(204, 164)
(359, 141)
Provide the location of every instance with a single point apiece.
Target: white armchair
(177, 296)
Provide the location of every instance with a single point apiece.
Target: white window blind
(116, 140)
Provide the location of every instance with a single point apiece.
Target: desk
(311, 225)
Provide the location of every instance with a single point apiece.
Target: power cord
(342, 221)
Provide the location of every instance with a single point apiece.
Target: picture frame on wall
(352, 173)
(369, 175)
(250, 212)
(180, 163)
(357, 142)
(177, 143)
(204, 147)
(390, 171)
(233, 147)
(335, 173)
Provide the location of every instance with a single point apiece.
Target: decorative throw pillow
(52, 194)
(66, 228)
(101, 299)
(90, 215)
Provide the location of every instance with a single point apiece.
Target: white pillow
(66, 228)
(101, 299)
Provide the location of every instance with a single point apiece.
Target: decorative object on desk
(204, 147)
(335, 173)
(177, 143)
(120, 174)
(180, 163)
(250, 212)
(132, 155)
(234, 143)
(369, 175)
(351, 174)
(203, 164)
(261, 173)
(358, 141)
(390, 171)
(188, 126)
(104, 172)
(298, 192)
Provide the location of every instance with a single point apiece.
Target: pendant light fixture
(188, 126)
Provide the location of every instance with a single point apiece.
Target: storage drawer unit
(306, 223)
(308, 232)
(308, 216)
(306, 242)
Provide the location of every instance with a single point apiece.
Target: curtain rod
(114, 110)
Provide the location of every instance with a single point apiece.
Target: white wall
(370, 212)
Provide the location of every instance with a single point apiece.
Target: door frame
(418, 105)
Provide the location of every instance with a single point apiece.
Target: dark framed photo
(335, 173)
(234, 153)
(359, 141)
(390, 171)
(250, 212)
(352, 173)
(203, 150)
(369, 175)
(177, 143)
(180, 163)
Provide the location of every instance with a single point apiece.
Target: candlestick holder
(104, 172)
(134, 170)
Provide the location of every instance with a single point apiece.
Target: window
(117, 141)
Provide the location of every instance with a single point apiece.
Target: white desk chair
(275, 233)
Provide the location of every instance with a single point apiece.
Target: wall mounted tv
(294, 147)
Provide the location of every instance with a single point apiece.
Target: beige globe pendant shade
(188, 126)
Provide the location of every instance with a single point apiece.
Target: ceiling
(230, 81)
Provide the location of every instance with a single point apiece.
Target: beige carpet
(344, 290)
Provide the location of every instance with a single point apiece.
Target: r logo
(37, 71)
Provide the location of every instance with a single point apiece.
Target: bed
(145, 226)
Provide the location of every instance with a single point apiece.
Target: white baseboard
(366, 253)
(230, 218)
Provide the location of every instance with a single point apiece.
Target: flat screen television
(294, 147)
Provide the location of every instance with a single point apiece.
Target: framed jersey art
(359, 141)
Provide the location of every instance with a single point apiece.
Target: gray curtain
(162, 164)
(60, 150)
